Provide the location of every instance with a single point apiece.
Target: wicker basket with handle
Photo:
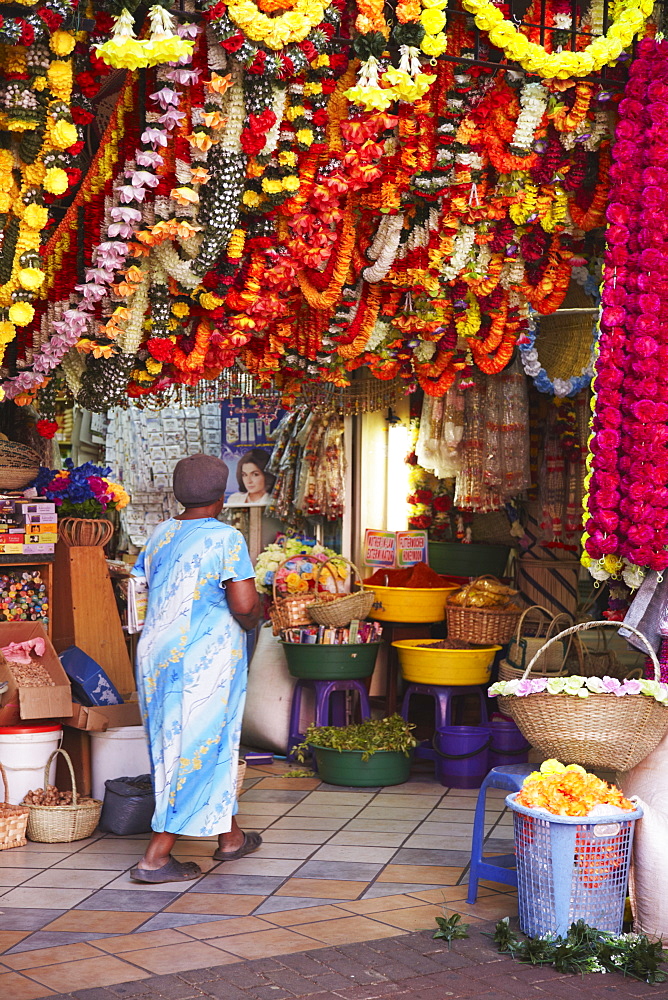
(599, 731)
(488, 626)
(63, 824)
(241, 774)
(13, 820)
(341, 611)
(290, 611)
(524, 647)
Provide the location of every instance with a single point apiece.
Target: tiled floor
(337, 866)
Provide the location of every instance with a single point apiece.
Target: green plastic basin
(346, 767)
(456, 559)
(331, 663)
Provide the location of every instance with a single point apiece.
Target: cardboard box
(99, 718)
(35, 702)
(7, 538)
(26, 507)
(47, 520)
(40, 549)
(11, 549)
(40, 538)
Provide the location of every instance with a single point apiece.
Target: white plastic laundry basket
(118, 753)
(24, 752)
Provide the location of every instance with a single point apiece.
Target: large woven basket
(19, 465)
(341, 611)
(241, 774)
(494, 626)
(63, 824)
(600, 731)
(290, 611)
(13, 820)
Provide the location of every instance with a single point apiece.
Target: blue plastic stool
(442, 695)
(324, 704)
(509, 777)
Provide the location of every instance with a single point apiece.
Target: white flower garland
(384, 248)
(279, 99)
(533, 100)
(132, 334)
(461, 251)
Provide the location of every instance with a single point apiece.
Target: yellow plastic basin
(409, 604)
(444, 666)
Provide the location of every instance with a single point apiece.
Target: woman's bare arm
(244, 602)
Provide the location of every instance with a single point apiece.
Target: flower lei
(626, 523)
(124, 51)
(580, 687)
(628, 22)
(36, 26)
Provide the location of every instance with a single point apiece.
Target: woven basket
(524, 647)
(342, 610)
(493, 626)
(241, 774)
(601, 731)
(63, 824)
(290, 611)
(76, 531)
(18, 465)
(13, 820)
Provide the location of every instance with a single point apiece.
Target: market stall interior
(403, 269)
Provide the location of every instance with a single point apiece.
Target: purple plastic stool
(324, 704)
(442, 695)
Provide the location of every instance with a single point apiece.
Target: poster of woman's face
(254, 482)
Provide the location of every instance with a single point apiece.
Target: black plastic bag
(128, 807)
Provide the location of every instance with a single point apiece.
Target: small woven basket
(76, 531)
(481, 626)
(13, 820)
(523, 647)
(290, 611)
(241, 774)
(341, 611)
(600, 731)
(18, 465)
(63, 824)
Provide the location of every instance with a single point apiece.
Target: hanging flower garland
(628, 22)
(627, 503)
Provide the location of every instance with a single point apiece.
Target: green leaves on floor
(586, 949)
(451, 929)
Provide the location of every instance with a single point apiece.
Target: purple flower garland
(627, 505)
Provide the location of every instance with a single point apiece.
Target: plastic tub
(571, 868)
(456, 559)
(24, 752)
(421, 665)
(409, 604)
(331, 663)
(346, 767)
(507, 744)
(117, 752)
(462, 754)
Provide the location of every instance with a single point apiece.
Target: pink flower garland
(628, 488)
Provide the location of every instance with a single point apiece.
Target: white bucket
(24, 752)
(118, 753)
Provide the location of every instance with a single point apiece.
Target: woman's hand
(244, 602)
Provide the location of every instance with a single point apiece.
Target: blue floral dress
(191, 673)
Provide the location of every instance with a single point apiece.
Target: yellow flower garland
(277, 32)
(629, 20)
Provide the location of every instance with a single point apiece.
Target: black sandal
(171, 871)
(251, 843)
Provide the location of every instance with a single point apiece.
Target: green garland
(586, 949)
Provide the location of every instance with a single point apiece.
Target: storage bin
(409, 604)
(507, 745)
(456, 559)
(346, 767)
(117, 751)
(24, 751)
(462, 755)
(421, 665)
(316, 662)
(571, 868)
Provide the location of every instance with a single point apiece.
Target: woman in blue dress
(191, 671)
